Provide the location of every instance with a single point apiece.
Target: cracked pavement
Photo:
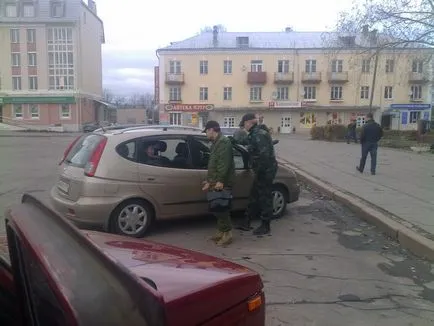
(321, 266)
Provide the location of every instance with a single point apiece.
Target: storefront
(193, 115)
(406, 116)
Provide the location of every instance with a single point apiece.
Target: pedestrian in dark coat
(369, 138)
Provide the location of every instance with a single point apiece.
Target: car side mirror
(275, 141)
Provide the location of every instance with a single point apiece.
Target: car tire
(132, 210)
(280, 198)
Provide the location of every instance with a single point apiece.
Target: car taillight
(92, 164)
(68, 149)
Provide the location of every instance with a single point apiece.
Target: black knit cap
(212, 125)
(247, 117)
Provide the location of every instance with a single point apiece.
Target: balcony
(338, 77)
(257, 77)
(417, 77)
(311, 77)
(283, 78)
(174, 78)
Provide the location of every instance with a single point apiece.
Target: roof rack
(163, 127)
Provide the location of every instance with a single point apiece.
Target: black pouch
(219, 201)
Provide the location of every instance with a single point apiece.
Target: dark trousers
(261, 196)
(351, 134)
(369, 148)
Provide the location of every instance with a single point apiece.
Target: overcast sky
(134, 29)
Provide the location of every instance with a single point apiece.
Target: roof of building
(274, 40)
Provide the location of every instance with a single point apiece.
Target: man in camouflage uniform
(261, 149)
(261, 123)
(241, 135)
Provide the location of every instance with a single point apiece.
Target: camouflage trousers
(261, 197)
(224, 223)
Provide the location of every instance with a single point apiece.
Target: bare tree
(108, 95)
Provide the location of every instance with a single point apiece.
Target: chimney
(288, 29)
(215, 34)
(373, 37)
(92, 5)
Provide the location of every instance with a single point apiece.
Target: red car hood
(190, 282)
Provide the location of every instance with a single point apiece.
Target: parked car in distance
(125, 180)
(53, 274)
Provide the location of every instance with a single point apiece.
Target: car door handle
(151, 179)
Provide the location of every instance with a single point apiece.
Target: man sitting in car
(151, 155)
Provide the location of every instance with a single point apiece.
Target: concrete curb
(407, 237)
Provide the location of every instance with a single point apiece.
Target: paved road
(321, 266)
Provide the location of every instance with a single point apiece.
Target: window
(57, 9)
(127, 150)
(11, 10)
(364, 92)
(256, 94)
(28, 10)
(366, 65)
(336, 93)
(414, 116)
(417, 66)
(256, 66)
(175, 94)
(229, 122)
(18, 111)
(416, 92)
(310, 93)
(227, 67)
(31, 59)
(388, 92)
(227, 93)
(33, 83)
(242, 42)
(175, 119)
(16, 59)
(15, 35)
(203, 94)
(168, 153)
(60, 58)
(31, 36)
(390, 63)
(16, 83)
(203, 67)
(65, 111)
(310, 66)
(282, 93)
(337, 65)
(34, 112)
(283, 66)
(175, 67)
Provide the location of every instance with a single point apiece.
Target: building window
(337, 65)
(282, 93)
(414, 116)
(28, 10)
(31, 36)
(15, 35)
(16, 83)
(175, 94)
(256, 66)
(11, 10)
(60, 58)
(364, 92)
(229, 122)
(65, 111)
(203, 93)
(416, 92)
(310, 66)
(283, 66)
(174, 67)
(310, 93)
(57, 9)
(366, 65)
(388, 92)
(18, 111)
(242, 42)
(34, 112)
(256, 94)
(227, 67)
(417, 66)
(33, 83)
(175, 119)
(390, 64)
(227, 93)
(16, 59)
(336, 93)
(203, 67)
(31, 59)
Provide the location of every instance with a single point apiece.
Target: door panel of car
(9, 309)
(168, 178)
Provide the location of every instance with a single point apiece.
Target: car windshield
(82, 150)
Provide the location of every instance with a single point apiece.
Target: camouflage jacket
(221, 166)
(241, 137)
(264, 127)
(261, 149)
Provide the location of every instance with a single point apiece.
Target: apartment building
(295, 79)
(50, 63)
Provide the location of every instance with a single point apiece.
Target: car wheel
(280, 200)
(132, 218)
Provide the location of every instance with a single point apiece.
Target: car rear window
(80, 153)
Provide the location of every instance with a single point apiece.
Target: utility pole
(374, 79)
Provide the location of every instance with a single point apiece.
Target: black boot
(263, 229)
(244, 225)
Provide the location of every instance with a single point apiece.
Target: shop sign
(410, 106)
(284, 104)
(189, 107)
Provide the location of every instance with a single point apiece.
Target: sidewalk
(403, 186)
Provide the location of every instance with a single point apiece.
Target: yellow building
(295, 79)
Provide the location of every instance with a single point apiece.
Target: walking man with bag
(221, 176)
(369, 138)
